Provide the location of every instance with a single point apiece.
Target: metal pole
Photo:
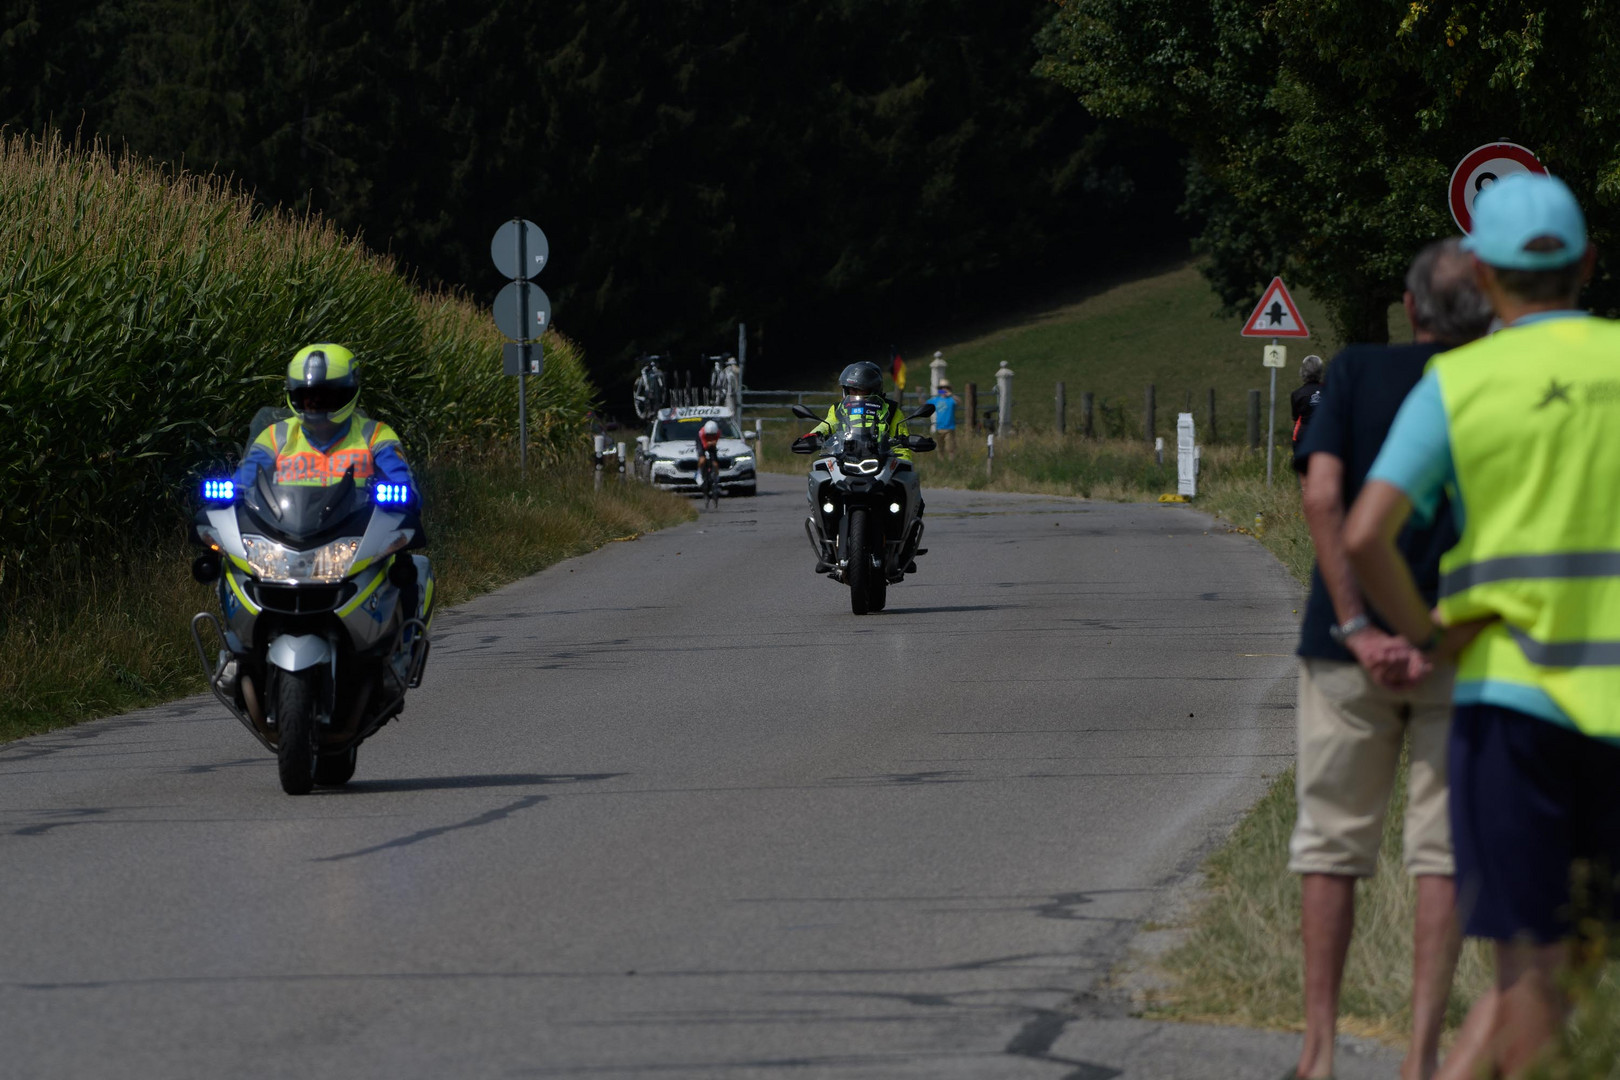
(523, 351)
(742, 362)
(1062, 411)
(1271, 427)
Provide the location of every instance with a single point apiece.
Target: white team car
(667, 454)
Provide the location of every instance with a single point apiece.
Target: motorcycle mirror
(205, 568)
(923, 413)
(803, 413)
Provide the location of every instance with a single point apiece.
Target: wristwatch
(1344, 631)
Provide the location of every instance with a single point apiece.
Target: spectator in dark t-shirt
(1362, 690)
(1307, 396)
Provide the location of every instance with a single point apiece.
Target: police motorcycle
(865, 505)
(325, 615)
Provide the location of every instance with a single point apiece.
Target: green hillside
(1159, 329)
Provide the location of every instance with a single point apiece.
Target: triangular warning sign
(1275, 315)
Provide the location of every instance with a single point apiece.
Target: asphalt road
(670, 810)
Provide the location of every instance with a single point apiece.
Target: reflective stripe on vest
(1534, 422)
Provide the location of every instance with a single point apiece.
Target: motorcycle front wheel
(860, 575)
(297, 694)
(335, 770)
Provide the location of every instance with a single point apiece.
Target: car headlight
(743, 459)
(329, 562)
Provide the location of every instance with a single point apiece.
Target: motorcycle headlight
(329, 562)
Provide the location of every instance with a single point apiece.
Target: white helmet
(711, 428)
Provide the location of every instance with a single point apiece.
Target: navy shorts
(1528, 799)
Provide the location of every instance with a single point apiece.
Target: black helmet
(862, 379)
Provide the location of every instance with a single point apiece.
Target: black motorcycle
(865, 520)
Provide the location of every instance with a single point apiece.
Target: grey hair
(1310, 369)
(1446, 299)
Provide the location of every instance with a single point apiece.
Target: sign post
(1275, 316)
(522, 311)
(1479, 169)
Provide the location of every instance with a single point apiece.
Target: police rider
(327, 435)
(862, 386)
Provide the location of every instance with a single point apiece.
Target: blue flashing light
(219, 490)
(393, 493)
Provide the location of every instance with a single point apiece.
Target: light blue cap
(1520, 208)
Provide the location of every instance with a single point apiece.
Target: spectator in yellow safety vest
(1519, 428)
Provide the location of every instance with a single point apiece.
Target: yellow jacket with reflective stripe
(1534, 418)
(888, 419)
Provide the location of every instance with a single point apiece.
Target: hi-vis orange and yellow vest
(369, 446)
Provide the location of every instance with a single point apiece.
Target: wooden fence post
(972, 403)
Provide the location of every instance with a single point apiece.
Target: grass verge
(103, 639)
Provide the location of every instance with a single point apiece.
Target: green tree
(1323, 132)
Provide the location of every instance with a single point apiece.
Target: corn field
(146, 315)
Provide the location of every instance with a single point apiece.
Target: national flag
(898, 366)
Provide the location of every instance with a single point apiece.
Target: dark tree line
(836, 171)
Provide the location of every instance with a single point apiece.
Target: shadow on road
(941, 610)
(455, 783)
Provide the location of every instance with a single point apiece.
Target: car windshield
(688, 428)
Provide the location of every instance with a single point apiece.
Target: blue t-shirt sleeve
(1416, 456)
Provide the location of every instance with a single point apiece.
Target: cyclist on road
(708, 449)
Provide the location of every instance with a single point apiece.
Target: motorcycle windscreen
(303, 512)
(860, 434)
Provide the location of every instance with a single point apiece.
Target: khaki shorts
(1350, 732)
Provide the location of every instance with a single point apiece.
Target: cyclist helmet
(323, 383)
(861, 380)
(711, 429)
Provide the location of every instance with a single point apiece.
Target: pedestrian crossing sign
(1275, 316)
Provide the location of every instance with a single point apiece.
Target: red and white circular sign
(1482, 167)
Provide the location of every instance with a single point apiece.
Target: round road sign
(1482, 167)
(503, 248)
(522, 310)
